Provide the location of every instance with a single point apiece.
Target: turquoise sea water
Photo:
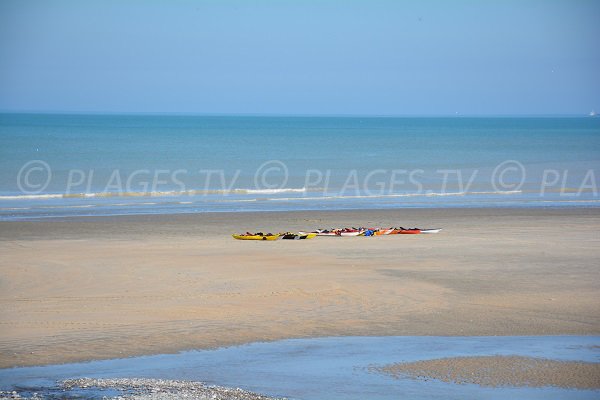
(67, 165)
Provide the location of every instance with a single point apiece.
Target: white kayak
(430, 230)
(350, 233)
(322, 232)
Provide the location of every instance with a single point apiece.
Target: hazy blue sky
(301, 57)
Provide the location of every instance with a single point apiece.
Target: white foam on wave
(395, 195)
(149, 194)
(249, 192)
(469, 193)
(32, 196)
(269, 191)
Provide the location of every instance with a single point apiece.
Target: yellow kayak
(255, 237)
(297, 236)
(308, 235)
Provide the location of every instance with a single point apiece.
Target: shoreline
(548, 205)
(297, 219)
(109, 287)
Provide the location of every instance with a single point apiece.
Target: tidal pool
(322, 368)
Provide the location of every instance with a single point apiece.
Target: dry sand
(90, 288)
(502, 371)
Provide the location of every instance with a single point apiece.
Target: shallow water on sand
(325, 368)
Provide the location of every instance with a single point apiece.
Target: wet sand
(502, 371)
(97, 288)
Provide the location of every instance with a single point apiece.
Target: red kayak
(406, 231)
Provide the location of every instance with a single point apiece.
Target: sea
(55, 165)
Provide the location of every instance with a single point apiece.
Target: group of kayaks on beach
(344, 232)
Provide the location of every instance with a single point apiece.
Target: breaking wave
(151, 193)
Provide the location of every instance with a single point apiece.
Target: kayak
(310, 235)
(301, 235)
(324, 232)
(380, 232)
(293, 236)
(410, 231)
(406, 231)
(351, 233)
(255, 237)
(430, 230)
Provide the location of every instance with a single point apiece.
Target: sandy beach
(497, 371)
(97, 288)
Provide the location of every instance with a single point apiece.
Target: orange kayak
(405, 231)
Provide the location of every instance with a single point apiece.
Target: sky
(283, 57)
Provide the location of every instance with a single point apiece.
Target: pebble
(150, 389)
